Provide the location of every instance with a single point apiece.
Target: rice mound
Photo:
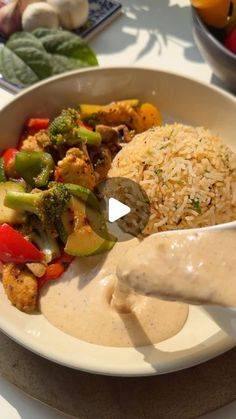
(188, 174)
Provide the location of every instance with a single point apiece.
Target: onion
(11, 14)
(10, 18)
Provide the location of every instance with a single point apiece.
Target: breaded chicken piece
(20, 286)
(76, 168)
(36, 142)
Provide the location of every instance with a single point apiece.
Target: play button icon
(116, 210)
(124, 206)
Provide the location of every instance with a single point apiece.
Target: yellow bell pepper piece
(213, 12)
(150, 116)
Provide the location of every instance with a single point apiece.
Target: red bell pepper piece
(15, 248)
(42, 281)
(55, 269)
(37, 123)
(32, 126)
(57, 175)
(82, 124)
(65, 258)
(9, 155)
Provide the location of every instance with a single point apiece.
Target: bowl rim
(5, 324)
(101, 68)
(208, 33)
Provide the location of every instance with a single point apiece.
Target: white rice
(188, 174)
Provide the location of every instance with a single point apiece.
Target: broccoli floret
(47, 205)
(43, 239)
(65, 130)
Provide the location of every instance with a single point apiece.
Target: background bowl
(179, 99)
(221, 60)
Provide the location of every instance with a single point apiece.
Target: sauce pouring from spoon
(196, 266)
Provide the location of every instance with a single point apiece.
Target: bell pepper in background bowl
(210, 37)
(230, 41)
(231, 24)
(213, 12)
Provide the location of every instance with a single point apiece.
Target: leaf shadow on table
(164, 23)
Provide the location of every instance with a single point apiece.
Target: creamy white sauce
(190, 267)
(82, 305)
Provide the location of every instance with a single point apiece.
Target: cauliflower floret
(36, 142)
(76, 168)
(20, 286)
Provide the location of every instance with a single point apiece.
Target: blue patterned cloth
(99, 12)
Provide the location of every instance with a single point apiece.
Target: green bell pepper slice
(35, 167)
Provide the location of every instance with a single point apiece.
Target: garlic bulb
(10, 18)
(39, 14)
(72, 13)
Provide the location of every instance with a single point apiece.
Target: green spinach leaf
(32, 52)
(66, 43)
(60, 64)
(14, 69)
(29, 57)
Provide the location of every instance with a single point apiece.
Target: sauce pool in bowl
(80, 305)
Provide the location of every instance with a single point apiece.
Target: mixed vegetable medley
(47, 186)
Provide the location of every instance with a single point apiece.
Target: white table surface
(153, 33)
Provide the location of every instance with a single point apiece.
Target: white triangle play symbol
(116, 210)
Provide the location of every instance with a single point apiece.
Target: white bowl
(224, 317)
(179, 98)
